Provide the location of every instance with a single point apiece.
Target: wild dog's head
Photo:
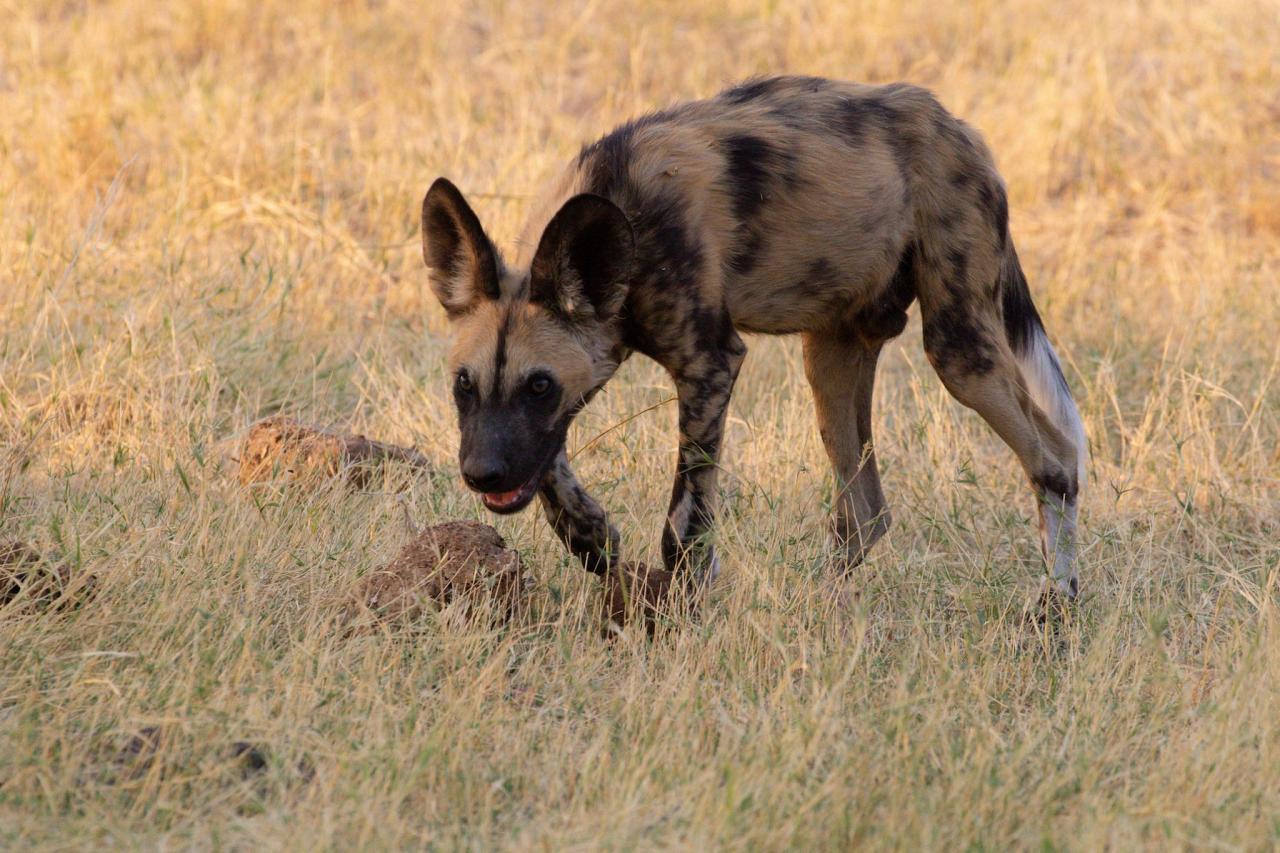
(530, 346)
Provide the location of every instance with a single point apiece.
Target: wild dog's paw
(634, 591)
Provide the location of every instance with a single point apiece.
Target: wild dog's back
(792, 200)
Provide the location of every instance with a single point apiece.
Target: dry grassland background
(208, 214)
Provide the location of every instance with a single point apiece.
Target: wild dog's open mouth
(514, 500)
(505, 503)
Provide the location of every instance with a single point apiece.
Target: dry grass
(208, 215)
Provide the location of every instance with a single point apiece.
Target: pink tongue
(503, 497)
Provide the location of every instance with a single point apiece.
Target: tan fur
(534, 341)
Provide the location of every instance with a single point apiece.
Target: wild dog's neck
(567, 184)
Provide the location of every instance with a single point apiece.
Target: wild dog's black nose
(484, 474)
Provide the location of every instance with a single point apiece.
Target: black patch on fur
(757, 88)
(1057, 483)
(580, 522)
(657, 320)
(855, 117)
(500, 353)
(672, 550)
(949, 218)
(1021, 319)
(750, 164)
(670, 251)
(884, 112)
(955, 342)
(705, 388)
(819, 275)
(890, 119)
(666, 253)
(606, 160)
(851, 121)
(744, 259)
(1001, 217)
(959, 262)
(952, 130)
(750, 90)
(886, 317)
(995, 204)
(784, 99)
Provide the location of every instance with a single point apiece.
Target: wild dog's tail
(1037, 361)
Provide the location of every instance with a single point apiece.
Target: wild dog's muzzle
(505, 502)
(502, 489)
(506, 463)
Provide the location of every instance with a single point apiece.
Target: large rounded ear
(582, 267)
(464, 264)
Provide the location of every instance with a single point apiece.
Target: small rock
(141, 747)
(46, 582)
(456, 560)
(252, 758)
(631, 590)
(283, 448)
(140, 751)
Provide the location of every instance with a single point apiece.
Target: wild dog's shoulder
(629, 165)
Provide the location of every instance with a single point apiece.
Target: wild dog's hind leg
(704, 382)
(841, 368)
(576, 517)
(968, 348)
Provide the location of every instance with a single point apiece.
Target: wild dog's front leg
(576, 517)
(841, 367)
(703, 387)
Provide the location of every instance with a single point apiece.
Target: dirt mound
(282, 448)
(633, 590)
(23, 569)
(456, 560)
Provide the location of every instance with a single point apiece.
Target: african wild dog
(783, 205)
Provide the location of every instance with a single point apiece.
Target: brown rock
(23, 568)
(283, 448)
(634, 590)
(456, 560)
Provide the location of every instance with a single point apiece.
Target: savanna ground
(208, 214)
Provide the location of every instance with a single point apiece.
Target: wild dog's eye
(539, 385)
(463, 382)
